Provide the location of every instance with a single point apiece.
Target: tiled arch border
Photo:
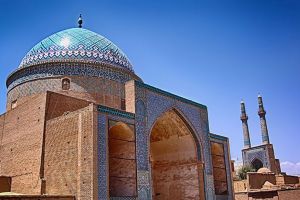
(104, 115)
(150, 103)
(225, 142)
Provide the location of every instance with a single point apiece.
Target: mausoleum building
(80, 124)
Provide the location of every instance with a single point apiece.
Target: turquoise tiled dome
(76, 44)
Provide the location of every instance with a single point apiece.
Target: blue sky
(212, 52)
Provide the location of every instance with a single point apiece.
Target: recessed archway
(176, 170)
(122, 160)
(257, 164)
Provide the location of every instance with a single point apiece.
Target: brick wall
(58, 104)
(70, 154)
(65, 158)
(94, 89)
(21, 144)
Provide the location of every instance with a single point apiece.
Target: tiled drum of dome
(76, 44)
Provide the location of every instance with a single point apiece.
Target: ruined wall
(269, 195)
(21, 144)
(70, 154)
(256, 180)
(289, 194)
(240, 186)
(272, 161)
(286, 179)
(241, 196)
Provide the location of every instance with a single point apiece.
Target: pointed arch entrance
(257, 164)
(176, 170)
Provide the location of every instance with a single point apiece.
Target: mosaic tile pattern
(151, 104)
(141, 137)
(102, 157)
(50, 70)
(144, 192)
(105, 114)
(256, 153)
(76, 44)
(114, 111)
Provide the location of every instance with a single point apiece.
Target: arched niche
(176, 170)
(122, 160)
(257, 164)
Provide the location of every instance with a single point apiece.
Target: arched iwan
(176, 171)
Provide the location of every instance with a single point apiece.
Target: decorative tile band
(114, 111)
(49, 70)
(102, 158)
(218, 137)
(168, 94)
(225, 142)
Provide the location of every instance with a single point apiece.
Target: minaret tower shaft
(244, 119)
(263, 122)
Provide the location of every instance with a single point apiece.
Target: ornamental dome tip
(80, 21)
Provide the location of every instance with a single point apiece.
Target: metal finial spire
(80, 21)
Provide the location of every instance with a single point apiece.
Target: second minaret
(263, 122)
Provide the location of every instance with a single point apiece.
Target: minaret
(244, 118)
(263, 122)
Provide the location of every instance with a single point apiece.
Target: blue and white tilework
(50, 70)
(149, 106)
(76, 44)
(103, 117)
(259, 153)
(102, 157)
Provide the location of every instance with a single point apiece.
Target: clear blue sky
(212, 52)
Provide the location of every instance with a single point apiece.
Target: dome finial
(80, 21)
